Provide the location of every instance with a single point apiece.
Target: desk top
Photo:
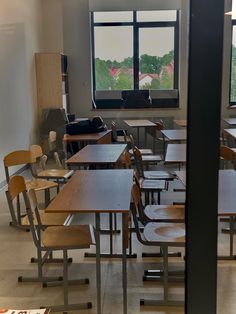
(230, 121)
(231, 132)
(98, 154)
(93, 137)
(226, 196)
(182, 123)
(139, 123)
(90, 191)
(175, 153)
(175, 135)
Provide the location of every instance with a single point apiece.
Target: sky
(116, 43)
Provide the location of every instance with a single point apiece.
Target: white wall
(52, 25)
(114, 5)
(20, 37)
(76, 40)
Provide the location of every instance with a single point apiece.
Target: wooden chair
(118, 136)
(55, 238)
(160, 213)
(150, 175)
(228, 156)
(59, 175)
(161, 234)
(143, 151)
(16, 187)
(52, 138)
(16, 190)
(25, 157)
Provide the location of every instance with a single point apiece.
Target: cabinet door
(49, 80)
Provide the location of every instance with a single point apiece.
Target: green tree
(155, 84)
(166, 80)
(127, 62)
(233, 76)
(104, 79)
(124, 81)
(167, 58)
(150, 64)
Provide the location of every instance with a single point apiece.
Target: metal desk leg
(231, 255)
(145, 139)
(138, 136)
(124, 264)
(98, 264)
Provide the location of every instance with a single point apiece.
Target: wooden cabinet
(52, 81)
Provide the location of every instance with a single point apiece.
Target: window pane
(122, 16)
(156, 58)
(233, 67)
(156, 16)
(113, 57)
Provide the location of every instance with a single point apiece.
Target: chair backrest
(36, 151)
(160, 125)
(18, 157)
(34, 217)
(58, 161)
(135, 209)
(52, 141)
(131, 141)
(127, 160)
(138, 161)
(227, 156)
(227, 153)
(16, 188)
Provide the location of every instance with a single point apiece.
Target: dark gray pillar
(204, 102)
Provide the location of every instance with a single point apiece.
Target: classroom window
(134, 51)
(233, 66)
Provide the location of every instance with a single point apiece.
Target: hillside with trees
(156, 73)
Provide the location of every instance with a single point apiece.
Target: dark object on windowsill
(136, 99)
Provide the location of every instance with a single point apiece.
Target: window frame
(157, 102)
(233, 24)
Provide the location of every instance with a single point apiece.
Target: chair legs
(165, 301)
(40, 277)
(67, 306)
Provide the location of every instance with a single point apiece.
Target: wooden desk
(175, 135)
(182, 123)
(226, 200)
(140, 124)
(230, 121)
(175, 153)
(99, 191)
(98, 138)
(231, 132)
(97, 154)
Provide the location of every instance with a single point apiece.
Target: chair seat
(169, 213)
(159, 175)
(172, 234)
(122, 139)
(152, 185)
(143, 151)
(40, 184)
(47, 219)
(55, 173)
(151, 158)
(68, 237)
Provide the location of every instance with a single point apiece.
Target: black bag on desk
(85, 126)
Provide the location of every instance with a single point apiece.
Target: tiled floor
(17, 248)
